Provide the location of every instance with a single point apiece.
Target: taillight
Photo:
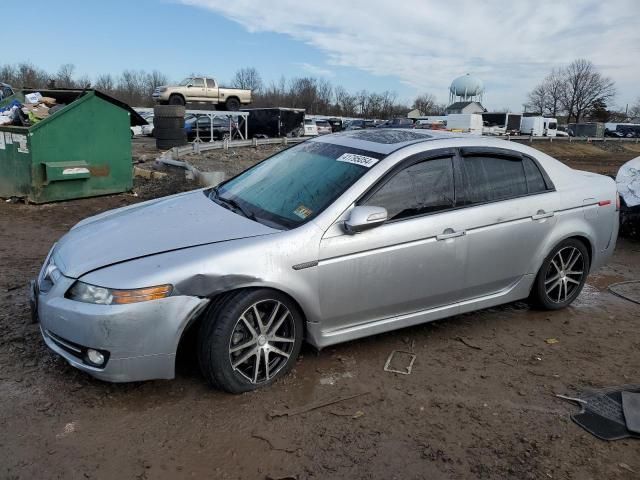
(604, 203)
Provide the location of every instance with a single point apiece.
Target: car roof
(383, 141)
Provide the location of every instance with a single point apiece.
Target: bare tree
(345, 102)
(105, 83)
(537, 99)
(634, 111)
(546, 98)
(28, 76)
(425, 104)
(64, 77)
(247, 78)
(554, 86)
(583, 86)
(153, 80)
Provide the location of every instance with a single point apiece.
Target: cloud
(425, 44)
(315, 70)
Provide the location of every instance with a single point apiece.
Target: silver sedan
(340, 237)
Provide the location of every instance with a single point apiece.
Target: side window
(197, 82)
(211, 83)
(535, 180)
(421, 188)
(486, 179)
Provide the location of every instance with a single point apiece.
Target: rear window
(535, 180)
(487, 179)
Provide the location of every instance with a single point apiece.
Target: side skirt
(323, 338)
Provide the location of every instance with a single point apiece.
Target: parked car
(202, 90)
(204, 127)
(331, 240)
(147, 129)
(310, 128)
(397, 123)
(360, 124)
(324, 127)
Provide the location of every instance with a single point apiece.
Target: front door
(411, 263)
(196, 90)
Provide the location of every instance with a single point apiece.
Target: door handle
(542, 214)
(449, 233)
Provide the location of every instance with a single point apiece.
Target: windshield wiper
(233, 204)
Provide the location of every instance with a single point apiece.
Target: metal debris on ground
(401, 353)
(633, 296)
(313, 406)
(468, 343)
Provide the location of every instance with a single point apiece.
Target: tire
(166, 134)
(232, 104)
(160, 111)
(257, 340)
(176, 100)
(556, 287)
(169, 123)
(166, 143)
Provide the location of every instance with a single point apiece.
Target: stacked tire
(168, 126)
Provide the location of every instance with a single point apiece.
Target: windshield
(185, 82)
(293, 186)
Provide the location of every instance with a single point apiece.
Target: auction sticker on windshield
(361, 160)
(302, 211)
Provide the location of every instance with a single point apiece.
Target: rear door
(509, 204)
(212, 90)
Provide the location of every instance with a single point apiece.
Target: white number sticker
(361, 160)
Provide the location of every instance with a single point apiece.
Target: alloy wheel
(262, 341)
(564, 274)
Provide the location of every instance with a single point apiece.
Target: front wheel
(562, 275)
(249, 339)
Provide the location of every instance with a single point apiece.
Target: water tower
(466, 88)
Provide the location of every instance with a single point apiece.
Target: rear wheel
(562, 275)
(176, 100)
(249, 339)
(232, 104)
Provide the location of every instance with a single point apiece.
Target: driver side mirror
(363, 218)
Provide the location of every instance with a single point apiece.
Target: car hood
(158, 226)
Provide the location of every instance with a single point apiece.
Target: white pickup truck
(202, 90)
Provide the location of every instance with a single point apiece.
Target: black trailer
(509, 121)
(275, 122)
(336, 124)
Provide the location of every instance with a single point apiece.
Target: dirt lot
(479, 403)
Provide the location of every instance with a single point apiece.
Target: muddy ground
(479, 402)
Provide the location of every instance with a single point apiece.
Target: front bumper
(141, 338)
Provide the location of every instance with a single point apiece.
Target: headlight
(84, 292)
(162, 89)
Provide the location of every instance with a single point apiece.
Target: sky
(409, 46)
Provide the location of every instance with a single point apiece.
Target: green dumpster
(81, 150)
